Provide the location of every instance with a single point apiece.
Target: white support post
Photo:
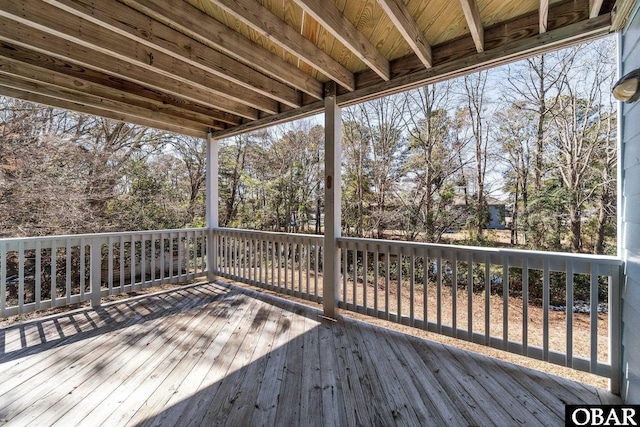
(212, 205)
(95, 268)
(332, 201)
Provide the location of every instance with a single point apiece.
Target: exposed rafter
(198, 25)
(114, 87)
(85, 108)
(544, 15)
(140, 28)
(594, 8)
(397, 11)
(472, 15)
(272, 27)
(143, 68)
(328, 15)
(68, 87)
(229, 66)
(509, 43)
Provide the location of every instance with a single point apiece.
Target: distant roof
(491, 201)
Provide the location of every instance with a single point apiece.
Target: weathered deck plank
(214, 354)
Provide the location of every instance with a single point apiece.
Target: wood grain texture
(43, 42)
(45, 82)
(271, 26)
(218, 354)
(86, 108)
(472, 15)
(211, 32)
(268, 61)
(404, 22)
(544, 15)
(330, 17)
(131, 24)
(71, 28)
(519, 39)
(594, 8)
(85, 76)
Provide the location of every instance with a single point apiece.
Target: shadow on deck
(216, 354)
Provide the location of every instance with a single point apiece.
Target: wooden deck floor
(214, 354)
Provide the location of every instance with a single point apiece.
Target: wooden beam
(594, 8)
(399, 14)
(66, 87)
(328, 15)
(117, 88)
(544, 15)
(132, 24)
(201, 27)
(278, 31)
(56, 22)
(472, 15)
(43, 42)
(87, 109)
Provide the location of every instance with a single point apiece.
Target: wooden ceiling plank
(85, 76)
(544, 15)
(201, 27)
(328, 15)
(102, 96)
(399, 14)
(472, 15)
(275, 29)
(130, 23)
(594, 8)
(40, 41)
(59, 23)
(96, 111)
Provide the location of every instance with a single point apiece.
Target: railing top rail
(269, 233)
(501, 252)
(96, 235)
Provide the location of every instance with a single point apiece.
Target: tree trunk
(574, 219)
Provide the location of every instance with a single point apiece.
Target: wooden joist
(66, 27)
(594, 8)
(40, 41)
(397, 11)
(116, 87)
(236, 65)
(200, 26)
(273, 28)
(38, 80)
(85, 108)
(472, 15)
(140, 28)
(328, 15)
(544, 15)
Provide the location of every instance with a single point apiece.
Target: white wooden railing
(37, 273)
(283, 262)
(499, 298)
(386, 279)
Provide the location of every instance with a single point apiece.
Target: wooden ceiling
(229, 66)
